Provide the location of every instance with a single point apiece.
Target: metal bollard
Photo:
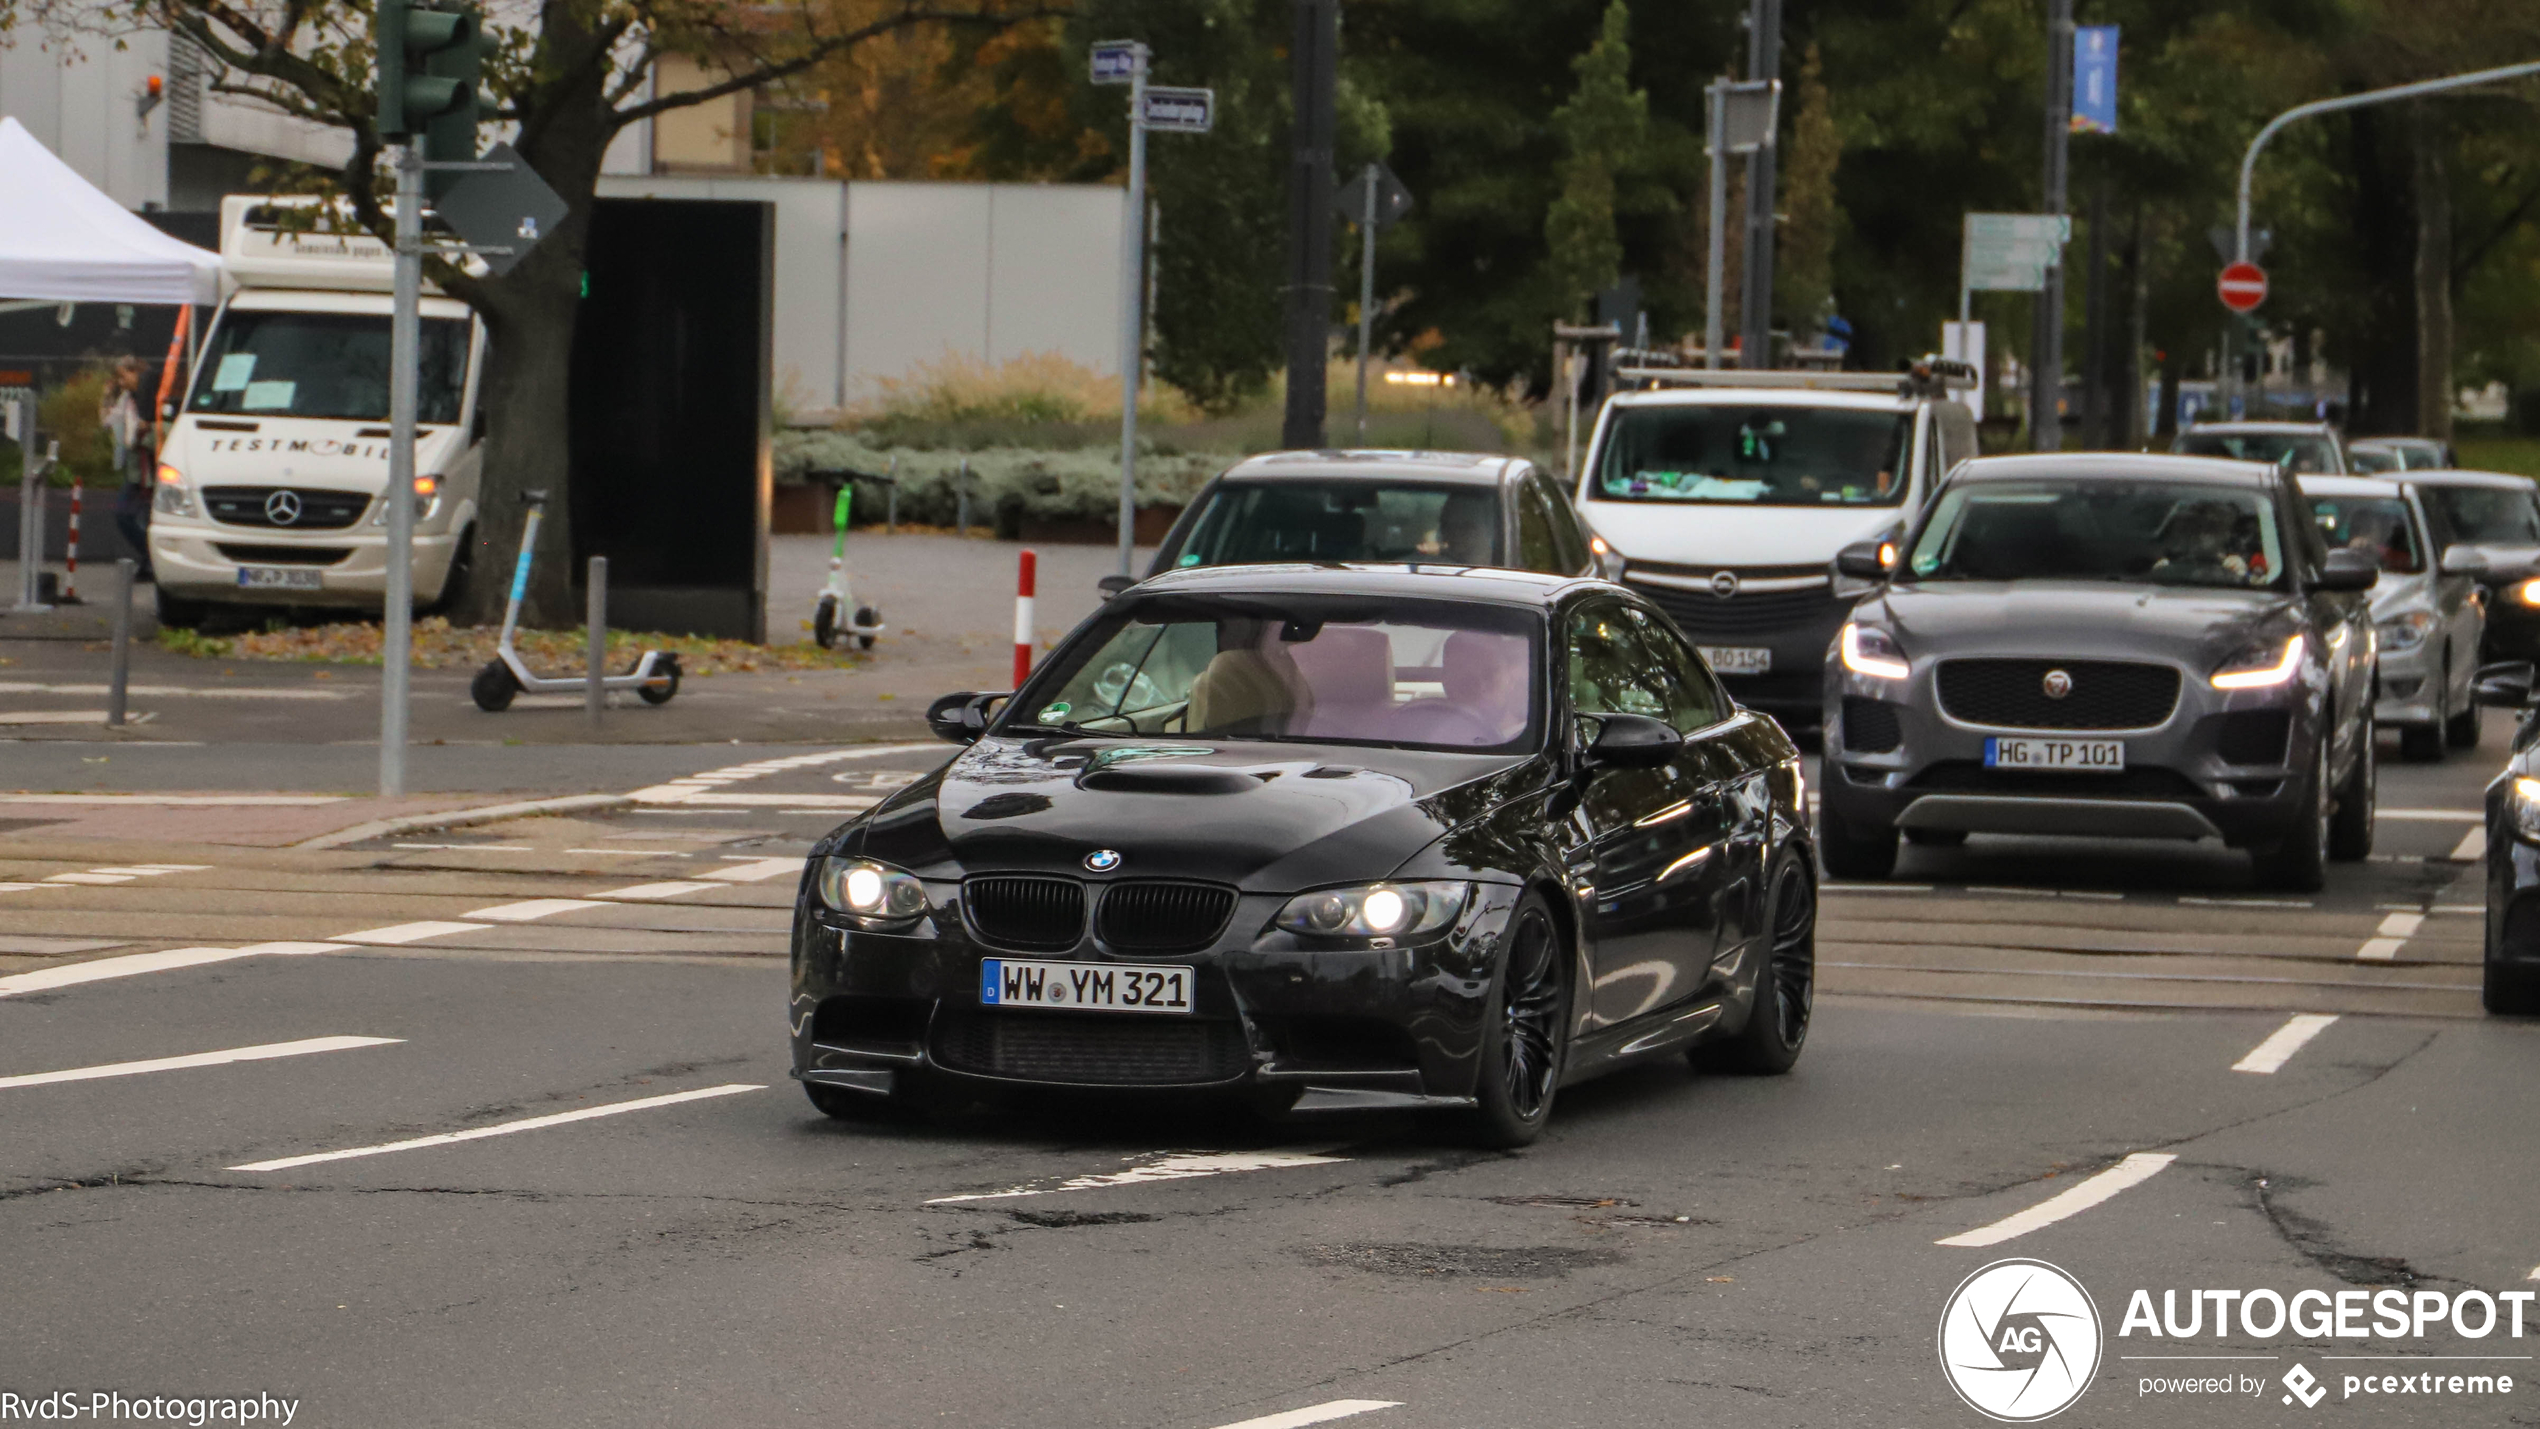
(891, 502)
(126, 570)
(595, 592)
(961, 487)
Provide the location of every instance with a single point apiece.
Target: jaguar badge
(2058, 684)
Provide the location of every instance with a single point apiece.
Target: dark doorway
(670, 413)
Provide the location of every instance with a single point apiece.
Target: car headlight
(1375, 910)
(427, 501)
(173, 497)
(1868, 650)
(871, 892)
(2525, 808)
(2261, 666)
(2528, 592)
(2405, 632)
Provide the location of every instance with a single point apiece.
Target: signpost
(2242, 287)
(1166, 110)
(1744, 115)
(2095, 79)
(1376, 199)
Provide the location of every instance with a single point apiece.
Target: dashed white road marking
(2245, 902)
(2402, 925)
(2472, 847)
(2142, 1166)
(506, 1128)
(1323, 1413)
(759, 870)
(704, 788)
(2283, 1042)
(2434, 816)
(46, 979)
(216, 801)
(1874, 888)
(529, 909)
(92, 878)
(398, 933)
(1172, 1166)
(657, 890)
(269, 1050)
(125, 873)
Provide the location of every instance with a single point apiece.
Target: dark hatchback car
(2108, 645)
(2511, 980)
(2500, 515)
(1330, 837)
(1444, 508)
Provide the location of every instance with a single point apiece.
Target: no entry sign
(2243, 286)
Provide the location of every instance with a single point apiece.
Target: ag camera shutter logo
(2019, 1341)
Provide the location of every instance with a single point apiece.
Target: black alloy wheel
(2298, 862)
(1785, 986)
(2350, 827)
(1525, 1032)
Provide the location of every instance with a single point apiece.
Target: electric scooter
(866, 622)
(655, 676)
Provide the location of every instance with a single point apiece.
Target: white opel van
(270, 486)
(1726, 494)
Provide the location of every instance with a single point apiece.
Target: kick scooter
(655, 676)
(866, 622)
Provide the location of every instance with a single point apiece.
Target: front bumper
(2224, 765)
(1331, 1027)
(2409, 682)
(200, 560)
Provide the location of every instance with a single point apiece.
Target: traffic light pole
(405, 342)
(1132, 319)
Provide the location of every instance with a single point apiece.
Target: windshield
(2488, 515)
(1423, 674)
(300, 364)
(1756, 456)
(1251, 522)
(2151, 532)
(2374, 459)
(2296, 451)
(2376, 525)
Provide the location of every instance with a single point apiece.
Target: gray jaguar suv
(2111, 645)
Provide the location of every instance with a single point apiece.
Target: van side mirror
(961, 718)
(2464, 561)
(1863, 560)
(2349, 570)
(1113, 585)
(2505, 684)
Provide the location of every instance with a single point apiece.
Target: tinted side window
(1613, 670)
(1693, 697)
(1535, 548)
(1568, 537)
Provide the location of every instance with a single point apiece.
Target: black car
(1332, 837)
(2500, 515)
(2106, 644)
(2511, 982)
(1446, 508)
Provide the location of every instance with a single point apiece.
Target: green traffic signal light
(428, 62)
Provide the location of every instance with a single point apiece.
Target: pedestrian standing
(119, 411)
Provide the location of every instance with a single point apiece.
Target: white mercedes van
(270, 486)
(1726, 494)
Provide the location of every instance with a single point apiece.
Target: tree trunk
(2385, 369)
(2173, 361)
(2127, 429)
(2095, 327)
(2433, 277)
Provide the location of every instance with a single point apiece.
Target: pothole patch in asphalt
(1538, 1262)
(1069, 1220)
(1582, 1203)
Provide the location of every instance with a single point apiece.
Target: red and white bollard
(1023, 620)
(70, 576)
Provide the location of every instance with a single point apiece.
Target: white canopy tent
(63, 241)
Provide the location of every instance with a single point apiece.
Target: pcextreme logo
(2019, 1341)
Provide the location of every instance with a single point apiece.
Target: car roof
(2493, 480)
(1486, 584)
(2115, 466)
(2258, 428)
(1765, 397)
(2392, 444)
(2324, 485)
(1480, 469)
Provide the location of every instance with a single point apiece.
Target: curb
(461, 818)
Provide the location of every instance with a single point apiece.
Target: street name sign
(1178, 111)
(1115, 61)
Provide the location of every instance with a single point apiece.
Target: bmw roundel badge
(1102, 860)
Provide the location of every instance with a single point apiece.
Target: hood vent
(1141, 778)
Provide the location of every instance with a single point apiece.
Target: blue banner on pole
(2095, 79)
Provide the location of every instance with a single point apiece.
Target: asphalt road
(2001, 1026)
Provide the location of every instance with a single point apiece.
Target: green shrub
(1007, 485)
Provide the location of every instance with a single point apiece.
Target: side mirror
(2506, 684)
(1863, 560)
(2464, 561)
(1630, 741)
(1113, 585)
(960, 718)
(2349, 570)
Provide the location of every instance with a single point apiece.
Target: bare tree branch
(822, 47)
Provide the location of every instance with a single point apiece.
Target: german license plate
(1099, 987)
(1738, 659)
(2088, 756)
(280, 578)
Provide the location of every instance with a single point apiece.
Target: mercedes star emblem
(283, 508)
(1102, 860)
(2058, 684)
(1724, 584)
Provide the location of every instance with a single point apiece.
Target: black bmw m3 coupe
(1334, 837)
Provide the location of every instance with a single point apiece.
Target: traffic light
(429, 58)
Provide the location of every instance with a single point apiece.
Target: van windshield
(301, 364)
(1756, 456)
